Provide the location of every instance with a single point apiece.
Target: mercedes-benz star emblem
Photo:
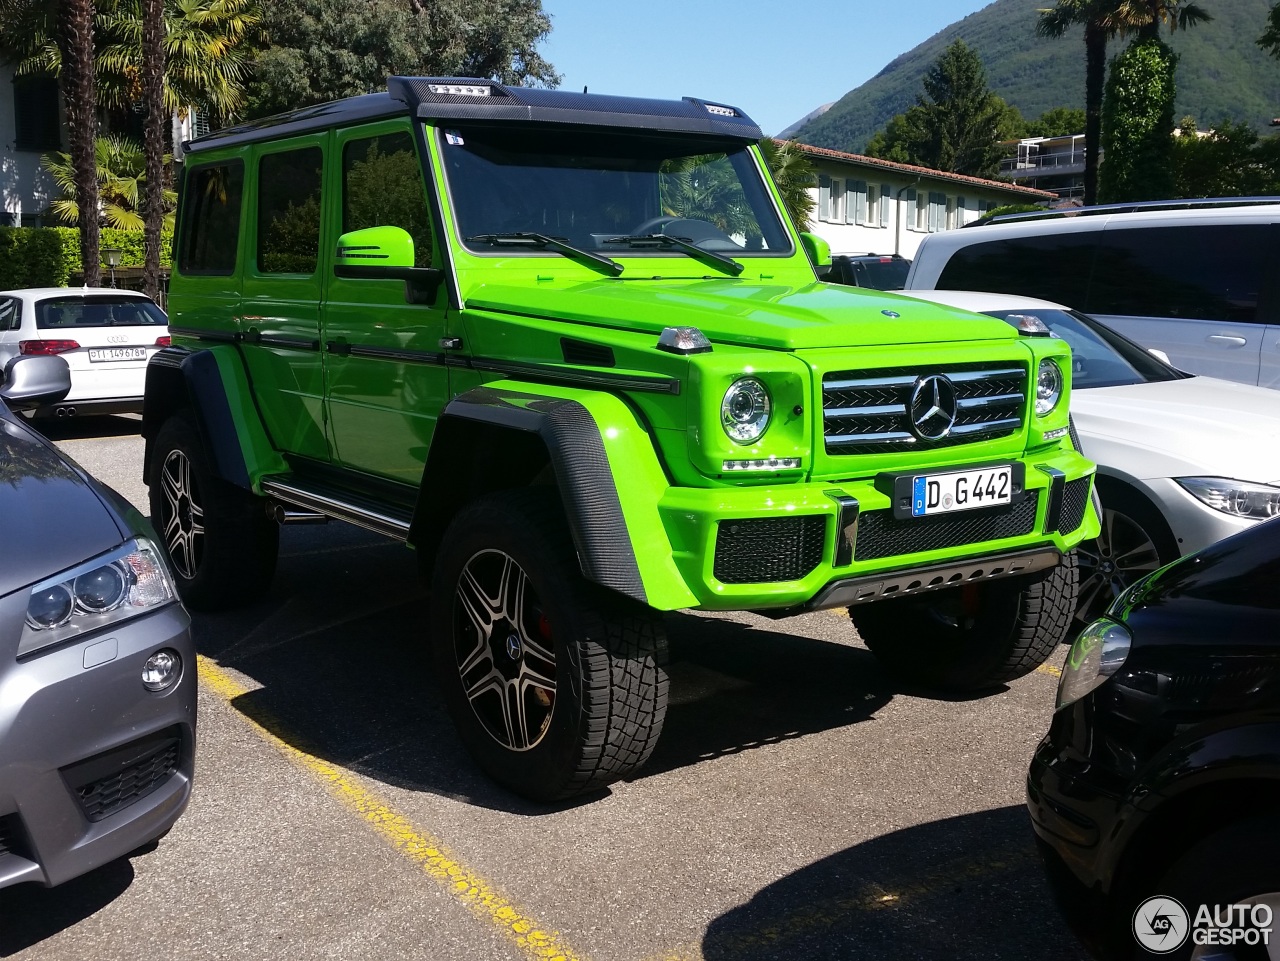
(933, 407)
(514, 647)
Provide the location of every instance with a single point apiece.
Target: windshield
(608, 191)
(102, 311)
(883, 273)
(1099, 356)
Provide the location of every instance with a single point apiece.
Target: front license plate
(98, 355)
(962, 491)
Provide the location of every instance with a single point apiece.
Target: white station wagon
(105, 335)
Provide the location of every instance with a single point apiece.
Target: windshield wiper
(681, 244)
(526, 238)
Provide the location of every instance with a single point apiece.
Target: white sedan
(1183, 461)
(105, 335)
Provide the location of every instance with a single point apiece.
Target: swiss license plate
(961, 491)
(99, 355)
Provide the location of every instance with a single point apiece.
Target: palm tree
(793, 174)
(153, 61)
(120, 177)
(74, 35)
(1102, 21)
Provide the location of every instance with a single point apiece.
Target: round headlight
(102, 589)
(744, 412)
(1048, 386)
(49, 607)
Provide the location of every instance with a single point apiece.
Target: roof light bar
(460, 89)
(720, 111)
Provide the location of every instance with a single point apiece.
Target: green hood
(749, 314)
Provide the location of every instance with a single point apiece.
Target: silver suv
(1199, 280)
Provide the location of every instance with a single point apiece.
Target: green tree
(119, 173)
(1270, 39)
(1137, 123)
(957, 123)
(1057, 122)
(1229, 161)
(794, 175)
(313, 51)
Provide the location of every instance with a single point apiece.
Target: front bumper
(92, 765)
(815, 545)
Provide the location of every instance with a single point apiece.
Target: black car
(877, 271)
(1156, 794)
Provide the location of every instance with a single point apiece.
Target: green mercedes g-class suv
(572, 350)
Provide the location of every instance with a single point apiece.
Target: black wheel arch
(489, 439)
(182, 379)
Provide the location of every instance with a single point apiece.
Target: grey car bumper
(92, 765)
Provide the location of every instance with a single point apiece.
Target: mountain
(790, 131)
(1221, 73)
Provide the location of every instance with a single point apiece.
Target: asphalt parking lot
(799, 805)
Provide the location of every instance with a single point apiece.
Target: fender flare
(576, 454)
(207, 381)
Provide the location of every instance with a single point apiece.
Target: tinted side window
(289, 211)
(382, 187)
(211, 219)
(10, 313)
(1049, 267)
(1207, 273)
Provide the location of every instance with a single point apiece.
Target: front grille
(770, 549)
(882, 535)
(1075, 500)
(107, 795)
(868, 412)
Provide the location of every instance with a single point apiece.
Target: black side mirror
(32, 381)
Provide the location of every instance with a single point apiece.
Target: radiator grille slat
(866, 412)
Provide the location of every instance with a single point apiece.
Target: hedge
(49, 256)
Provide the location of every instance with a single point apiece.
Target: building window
(837, 202)
(922, 211)
(35, 114)
(873, 205)
(937, 214)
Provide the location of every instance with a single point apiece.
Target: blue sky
(776, 61)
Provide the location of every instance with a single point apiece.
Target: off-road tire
(610, 689)
(230, 560)
(1010, 628)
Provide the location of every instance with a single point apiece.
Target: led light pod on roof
(460, 89)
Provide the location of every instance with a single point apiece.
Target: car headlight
(1097, 654)
(1048, 386)
(745, 410)
(1235, 497)
(127, 582)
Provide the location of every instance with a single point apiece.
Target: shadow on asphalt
(340, 650)
(79, 428)
(30, 913)
(897, 897)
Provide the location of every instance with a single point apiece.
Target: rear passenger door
(280, 307)
(10, 324)
(1201, 293)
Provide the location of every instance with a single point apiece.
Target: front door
(386, 386)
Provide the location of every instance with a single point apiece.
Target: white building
(866, 205)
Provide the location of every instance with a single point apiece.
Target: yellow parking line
(1050, 669)
(466, 887)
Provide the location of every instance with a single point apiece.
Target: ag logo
(1161, 925)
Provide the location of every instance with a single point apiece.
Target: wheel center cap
(514, 647)
(1107, 567)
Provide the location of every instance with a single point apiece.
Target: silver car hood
(1200, 426)
(51, 515)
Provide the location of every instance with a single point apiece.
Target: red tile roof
(1028, 192)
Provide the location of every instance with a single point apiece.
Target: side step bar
(314, 498)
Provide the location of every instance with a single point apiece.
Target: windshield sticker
(453, 138)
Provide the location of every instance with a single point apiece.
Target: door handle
(1226, 340)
